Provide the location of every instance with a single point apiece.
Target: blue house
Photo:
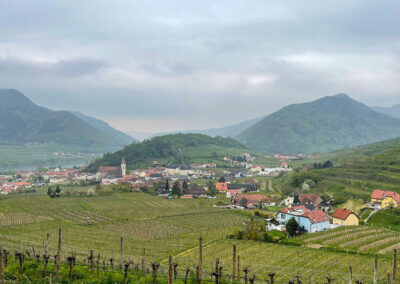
(309, 220)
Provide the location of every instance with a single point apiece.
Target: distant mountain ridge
(393, 111)
(22, 121)
(227, 131)
(324, 125)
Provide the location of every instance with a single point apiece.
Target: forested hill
(172, 148)
(324, 125)
(22, 122)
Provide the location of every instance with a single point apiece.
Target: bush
(91, 192)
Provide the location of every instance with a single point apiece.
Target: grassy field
(162, 227)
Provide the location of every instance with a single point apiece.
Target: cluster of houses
(13, 186)
(25, 180)
(311, 214)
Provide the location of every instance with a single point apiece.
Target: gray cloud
(185, 64)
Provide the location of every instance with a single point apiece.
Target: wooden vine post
(350, 275)
(200, 260)
(234, 263)
(97, 264)
(1, 265)
(170, 270)
(238, 267)
(58, 254)
(395, 266)
(122, 253)
(143, 261)
(376, 269)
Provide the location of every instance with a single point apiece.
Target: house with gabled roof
(309, 221)
(383, 199)
(343, 216)
(315, 200)
(252, 200)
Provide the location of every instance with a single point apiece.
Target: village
(237, 185)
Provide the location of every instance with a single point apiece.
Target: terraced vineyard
(358, 238)
(163, 226)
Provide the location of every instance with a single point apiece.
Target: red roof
(234, 191)
(253, 198)
(294, 208)
(22, 183)
(316, 216)
(381, 194)
(342, 213)
(315, 199)
(107, 169)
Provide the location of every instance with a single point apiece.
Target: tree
(292, 226)
(185, 184)
(251, 230)
(176, 189)
(49, 191)
(154, 189)
(327, 164)
(58, 191)
(167, 186)
(212, 190)
(221, 179)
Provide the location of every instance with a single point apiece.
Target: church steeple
(123, 167)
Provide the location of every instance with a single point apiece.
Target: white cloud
(260, 79)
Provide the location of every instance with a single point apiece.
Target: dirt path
(270, 186)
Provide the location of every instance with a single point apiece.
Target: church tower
(123, 167)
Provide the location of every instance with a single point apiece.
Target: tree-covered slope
(172, 148)
(21, 121)
(324, 125)
(105, 128)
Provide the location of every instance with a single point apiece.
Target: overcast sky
(168, 65)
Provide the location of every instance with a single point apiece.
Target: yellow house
(343, 216)
(383, 199)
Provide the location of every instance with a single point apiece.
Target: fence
(168, 271)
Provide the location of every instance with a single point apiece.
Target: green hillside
(105, 127)
(361, 170)
(324, 125)
(21, 122)
(173, 148)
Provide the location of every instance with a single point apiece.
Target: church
(112, 172)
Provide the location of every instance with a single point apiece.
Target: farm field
(363, 239)
(157, 227)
